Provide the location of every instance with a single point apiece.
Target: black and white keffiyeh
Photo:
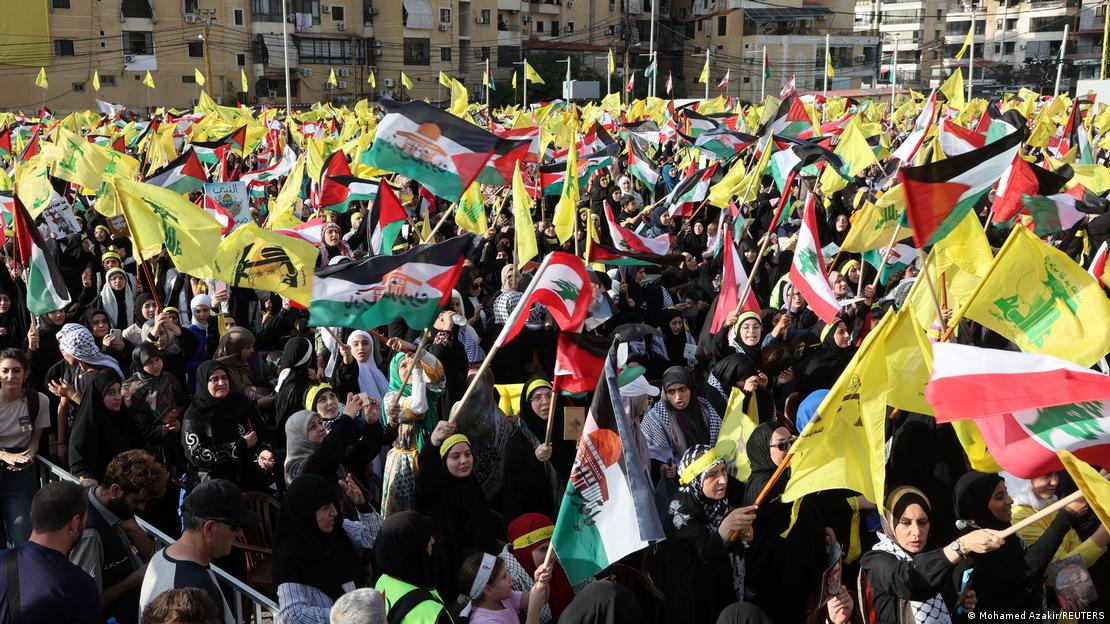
(933, 610)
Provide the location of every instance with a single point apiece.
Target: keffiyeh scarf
(77, 341)
(933, 610)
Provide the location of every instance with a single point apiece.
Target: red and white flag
(1025, 443)
(970, 382)
(807, 270)
(670, 83)
(1098, 265)
(310, 231)
(561, 284)
(723, 84)
(631, 82)
(625, 239)
(733, 280)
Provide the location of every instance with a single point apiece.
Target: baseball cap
(219, 499)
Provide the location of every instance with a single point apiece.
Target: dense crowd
(337, 470)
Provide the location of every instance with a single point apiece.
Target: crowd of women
(349, 430)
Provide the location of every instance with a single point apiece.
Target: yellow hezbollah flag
(953, 89)
(288, 199)
(96, 80)
(967, 41)
(251, 257)
(40, 80)
(148, 80)
(736, 426)
(331, 78)
(857, 155)
(843, 446)
(612, 66)
(909, 357)
(405, 81)
(243, 80)
(526, 248)
(530, 74)
(372, 81)
(74, 159)
(567, 209)
(158, 216)
(873, 224)
(704, 76)
(1038, 298)
(1095, 487)
(828, 67)
(471, 213)
(199, 77)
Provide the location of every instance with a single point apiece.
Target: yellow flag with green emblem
(741, 417)
(953, 89)
(526, 247)
(251, 257)
(243, 81)
(148, 80)
(471, 213)
(567, 210)
(74, 159)
(857, 155)
(96, 80)
(530, 74)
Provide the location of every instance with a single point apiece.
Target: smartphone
(965, 586)
(117, 335)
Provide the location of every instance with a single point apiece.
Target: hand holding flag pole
(551, 410)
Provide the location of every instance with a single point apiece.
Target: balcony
(550, 7)
(508, 5)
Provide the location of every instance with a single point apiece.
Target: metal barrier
(262, 608)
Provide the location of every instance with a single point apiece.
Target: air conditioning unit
(291, 18)
(344, 72)
(342, 84)
(388, 83)
(444, 27)
(306, 71)
(327, 86)
(127, 58)
(341, 25)
(860, 58)
(325, 8)
(272, 94)
(191, 18)
(525, 18)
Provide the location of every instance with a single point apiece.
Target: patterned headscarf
(933, 610)
(76, 340)
(691, 470)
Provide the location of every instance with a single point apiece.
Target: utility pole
(651, 49)
(285, 55)
(207, 57)
(626, 39)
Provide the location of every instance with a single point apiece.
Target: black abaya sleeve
(919, 579)
(325, 461)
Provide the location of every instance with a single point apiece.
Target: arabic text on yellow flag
(526, 248)
(857, 155)
(530, 74)
(741, 417)
(1095, 487)
(567, 209)
(953, 89)
(874, 224)
(251, 257)
(843, 446)
(199, 77)
(40, 80)
(406, 82)
(1038, 298)
(158, 216)
(471, 213)
(74, 159)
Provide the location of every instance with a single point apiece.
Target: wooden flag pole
(886, 255)
(1051, 509)
(762, 248)
(432, 234)
(551, 410)
(517, 311)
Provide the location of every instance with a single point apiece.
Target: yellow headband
(313, 392)
(828, 328)
(539, 535)
(748, 315)
(700, 465)
(110, 254)
(535, 385)
(452, 440)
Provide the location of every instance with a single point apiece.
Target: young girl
(485, 581)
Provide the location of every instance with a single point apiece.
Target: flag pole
(1047, 511)
(825, 90)
(488, 112)
(893, 78)
(1105, 32)
(1060, 62)
(970, 59)
(766, 239)
(886, 256)
(432, 234)
(551, 410)
(509, 323)
(763, 77)
(285, 54)
(709, 66)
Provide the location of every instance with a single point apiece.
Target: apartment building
(735, 34)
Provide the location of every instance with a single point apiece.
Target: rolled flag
(704, 76)
(651, 68)
(970, 382)
(807, 269)
(670, 83)
(46, 290)
(925, 120)
(631, 82)
(723, 84)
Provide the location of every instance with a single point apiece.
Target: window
(997, 48)
(59, 4)
(338, 14)
(63, 47)
(328, 52)
(699, 25)
(196, 48)
(747, 79)
(609, 30)
(241, 59)
(418, 51)
(138, 42)
(445, 16)
(485, 16)
(554, 28)
(1008, 47)
(1011, 23)
(445, 53)
(539, 26)
(189, 79)
(722, 25)
(270, 10)
(485, 53)
(237, 17)
(191, 6)
(136, 8)
(78, 87)
(107, 81)
(310, 7)
(570, 27)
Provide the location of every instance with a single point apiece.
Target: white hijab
(370, 378)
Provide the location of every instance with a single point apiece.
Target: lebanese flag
(213, 207)
(561, 284)
(1022, 179)
(670, 83)
(807, 270)
(579, 359)
(969, 382)
(311, 230)
(733, 280)
(625, 239)
(1098, 265)
(925, 120)
(261, 177)
(723, 84)
(1025, 443)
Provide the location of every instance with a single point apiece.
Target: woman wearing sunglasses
(782, 572)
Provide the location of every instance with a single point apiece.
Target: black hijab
(758, 449)
(401, 549)
(821, 370)
(202, 399)
(973, 494)
(99, 434)
(140, 299)
(293, 381)
(563, 451)
(603, 602)
(674, 343)
(690, 419)
(302, 552)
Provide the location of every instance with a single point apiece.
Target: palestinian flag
(1098, 265)
(608, 510)
(1052, 214)
(900, 257)
(384, 221)
(626, 240)
(328, 191)
(956, 139)
(425, 143)
(184, 175)
(939, 195)
(1075, 136)
(46, 291)
(608, 254)
(721, 142)
(791, 118)
(639, 165)
(374, 291)
(552, 175)
(499, 170)
(579, 360)
(733, 280)
(32, 146)
(697, 123)
(563, 286)
(646, 130)
(925, 120)
(1023, 178)
(690, 191)
(799, 155)
(807, 269)
(281, 168)
(357, 189)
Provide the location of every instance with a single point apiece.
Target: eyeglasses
(785, 445)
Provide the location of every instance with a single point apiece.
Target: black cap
(219, 499)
